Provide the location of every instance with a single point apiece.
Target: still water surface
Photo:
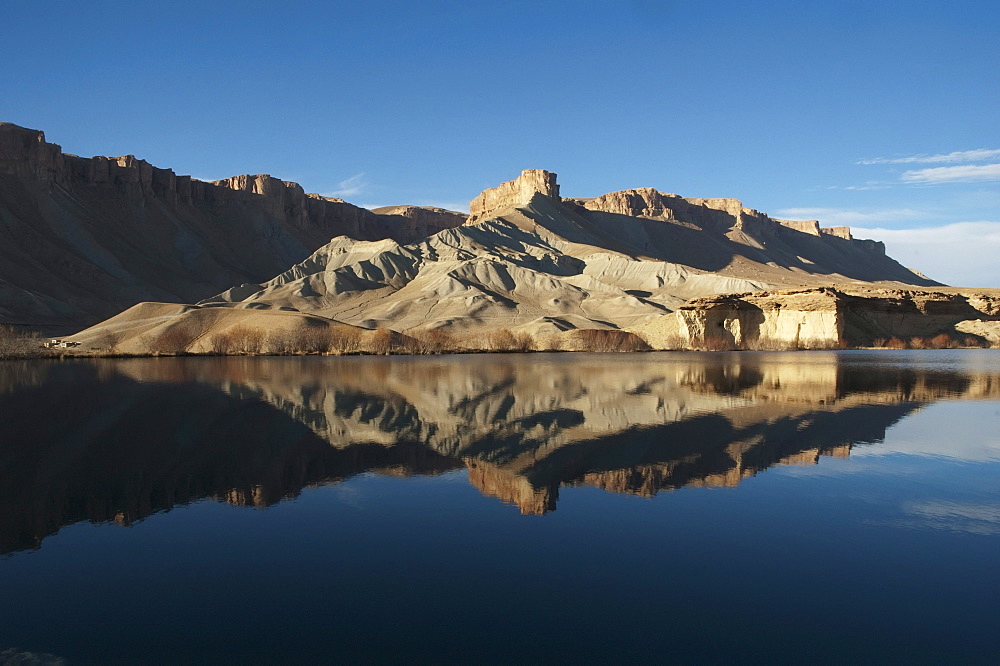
(680, 507)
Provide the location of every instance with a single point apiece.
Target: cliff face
(716, 214)
(826, 318)
(83, 238)
(531, 260)
(513, 193)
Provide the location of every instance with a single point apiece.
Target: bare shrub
(550, 343)
(714, 344)
(673, 342)
(279, 342)
(503, 340)
(248, 340)
(763, 344)
(344, 339)
(14, 343)
(381, 341)
(314, 339)
(237, 340)
(974, 341)
(881, 343)
(221, 343)
(941, 341)
(597, 340)
(435, 341)
(895, 343)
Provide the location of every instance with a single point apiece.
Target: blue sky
(879, 115)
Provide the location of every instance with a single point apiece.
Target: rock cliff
(532, 261)
(513, 193)
(84, 238)
(828, 317)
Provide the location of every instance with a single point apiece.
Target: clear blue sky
(858, 113)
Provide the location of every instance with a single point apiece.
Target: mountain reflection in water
(118, 440)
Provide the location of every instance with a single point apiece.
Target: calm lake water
(670, 507)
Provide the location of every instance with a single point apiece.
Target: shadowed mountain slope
(82, 239)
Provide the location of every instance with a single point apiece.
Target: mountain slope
(83, 238)
(528, 258)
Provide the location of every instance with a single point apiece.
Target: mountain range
(161, 256)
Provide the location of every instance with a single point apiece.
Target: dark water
(808, 507)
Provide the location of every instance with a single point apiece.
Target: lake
(825, 507)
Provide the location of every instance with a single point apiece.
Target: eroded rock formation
(827, 318)
(513, 193)
(84, 238)
(531, 261)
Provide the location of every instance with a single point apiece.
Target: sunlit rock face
(824, 318)
(513, 193)
(87, 237)
(545, 266)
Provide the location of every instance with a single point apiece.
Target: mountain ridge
(530, 261)
(85, 238)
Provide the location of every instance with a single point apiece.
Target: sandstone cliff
(83, 238)
(825, 318)
(531, 261)
(513, 193)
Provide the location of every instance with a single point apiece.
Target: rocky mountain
(533, 261)
(82, 239)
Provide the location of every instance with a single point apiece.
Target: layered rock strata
(84, 238)
(514, 193)
(827, 318)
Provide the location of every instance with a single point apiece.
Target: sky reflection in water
(820, 506)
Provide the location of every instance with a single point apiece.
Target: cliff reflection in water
(120, 440)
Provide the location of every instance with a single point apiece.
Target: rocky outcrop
(513, 193)
(825, 318)
(84, 238)
(714, 213)
(639, 202)
(530, 260)
(426, 219)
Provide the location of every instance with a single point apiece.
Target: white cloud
(963, 254)
(349, 187)
(841, 217)
(955, 174)
(979, 155)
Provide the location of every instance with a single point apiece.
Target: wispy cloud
(955, 174)
(961, 254)
(349, 187)
(979, 155)
(454, 206)
(839, 217)
(970, 517)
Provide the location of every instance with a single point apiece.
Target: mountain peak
(514, 193)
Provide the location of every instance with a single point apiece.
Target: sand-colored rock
(531, 262)
(513, 193)
(85, 238)
(826, 318)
